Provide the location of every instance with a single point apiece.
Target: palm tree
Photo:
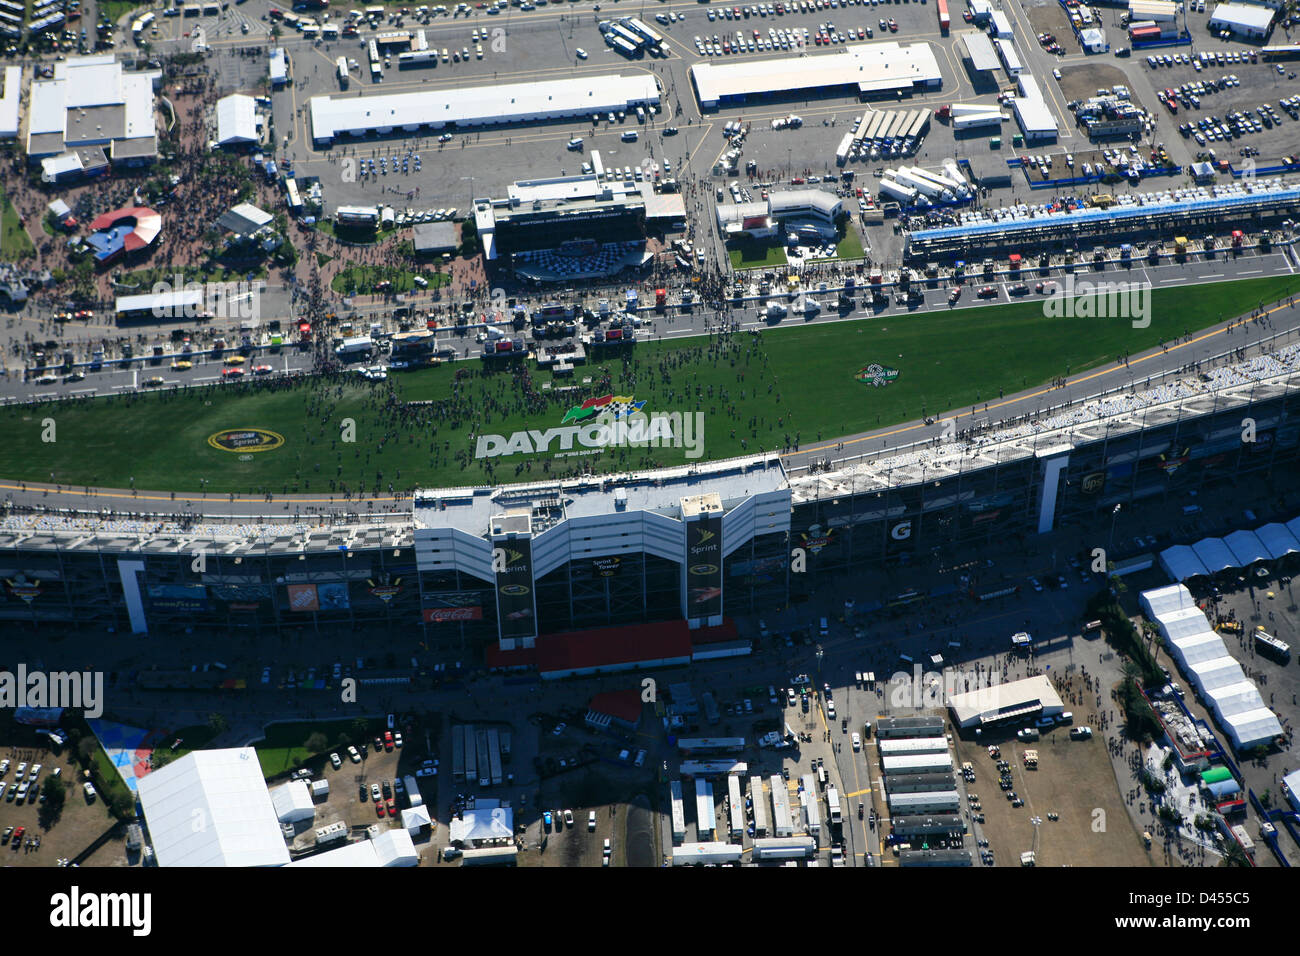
(1234, 855)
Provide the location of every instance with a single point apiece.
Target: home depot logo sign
(609, 421)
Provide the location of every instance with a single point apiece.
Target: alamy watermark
(1086, 299)
(83, 690)
(179, 299)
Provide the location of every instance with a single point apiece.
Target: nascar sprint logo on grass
(246, 439)
(608, 421)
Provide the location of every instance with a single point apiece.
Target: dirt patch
(1051, 18)
(1074, 780)
(1083, 81)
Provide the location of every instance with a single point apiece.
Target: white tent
(1246, 548)
(293, 802)
(225, 791)
(1217, 672)
(482, 826)
(1239, 698)
(415, 819)
(1198, 648)
(1160, 601)
(1278, 540)
(1187, 622)
(1215, 555)
(1180, 563)
(1252, 728)
(395, 848)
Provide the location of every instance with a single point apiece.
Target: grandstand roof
(1278, 196)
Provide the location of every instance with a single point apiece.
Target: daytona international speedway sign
(608, 421)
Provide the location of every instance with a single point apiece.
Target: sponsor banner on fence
(302, 597)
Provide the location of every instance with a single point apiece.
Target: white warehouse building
(1245, 20)
(333, 117)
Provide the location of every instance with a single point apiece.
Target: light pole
(1113, 515)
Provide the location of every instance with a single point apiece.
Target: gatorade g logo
(901, 531)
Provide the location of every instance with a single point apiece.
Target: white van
(629, 136)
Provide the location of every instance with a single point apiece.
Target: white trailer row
(706, 817)
(736, 805)
(811, 805)
(759, 801)
(782, 821)
(678, 811)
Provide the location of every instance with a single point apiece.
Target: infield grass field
(797, 381)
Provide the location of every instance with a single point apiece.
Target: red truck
(944, 21)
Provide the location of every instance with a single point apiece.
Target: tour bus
(1270, 646)
(342, 63)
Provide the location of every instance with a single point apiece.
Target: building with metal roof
(1001, 703)
(225, 791)
(979, 50)
(384, 113)
(92, 101)
(1246, 20)
(245, 220)
(10, 101)
(867, 70)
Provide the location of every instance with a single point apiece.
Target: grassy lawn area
(362, 279)
(14, 242)
(113, 9)
(946, 360)
(323, 257)
(284, 747)
(753, 255)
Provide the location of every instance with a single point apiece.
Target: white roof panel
(1252, 728)
(1159, 601)
(1199, 648)
(480, 105)
(1278, 540)
(292, 802)
(1216, 672)
(236, 119)
(1241, 14)
(1215, 555)
(878, 66)
(1184, 623)
(224, 790)
(1246, 548)
(1239, 698)
(1181, 563)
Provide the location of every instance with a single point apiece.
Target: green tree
(86, 751)
(122, 805)
(218, 723)
(316, 743)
